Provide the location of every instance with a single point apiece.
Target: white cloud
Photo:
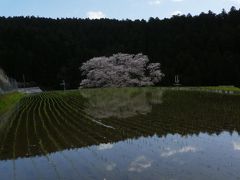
(155, 2)
(236, 146)
(176, 13)
(139, 164)
(236, 1)
(95, 15)
(105, 146)
(110, 166)
(171, 152)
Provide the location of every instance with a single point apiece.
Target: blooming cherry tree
(120, 70)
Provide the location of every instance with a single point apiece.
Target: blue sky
(118, 9)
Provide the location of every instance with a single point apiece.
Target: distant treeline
(202, 50)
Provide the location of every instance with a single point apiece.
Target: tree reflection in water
(121, 103)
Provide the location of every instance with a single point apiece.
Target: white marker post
(176, 81)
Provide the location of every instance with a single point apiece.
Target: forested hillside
(203, 50)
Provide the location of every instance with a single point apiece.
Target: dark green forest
(202, 50)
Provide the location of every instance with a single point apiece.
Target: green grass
(9, 100)
(222, 88)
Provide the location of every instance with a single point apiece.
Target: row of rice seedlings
(120, 124)
(194, 108)
(68, 117)
(68, 125)
(71, 115)
(52, 108)
(29, 152)
(85, 115)
(125, 124)
(19, 120)
(39, 144)
(66, 108)
(62, 123)
(70, 128)
(79, 139)
(80, 121)
(21, 105)
(48, 119)
(95, 167)
(54, 119)
(129, 127)
(34, 103)
(76, 103)
(94, 152)
(108, 133)
(86, 119)
(135, 132)
(61, 106)
(47, 105)
(42, 147)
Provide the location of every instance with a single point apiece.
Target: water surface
(131, 133)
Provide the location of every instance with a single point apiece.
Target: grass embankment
(222, 88)
(219, 89)
(9, 100)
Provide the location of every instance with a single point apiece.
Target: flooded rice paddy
(146, 133)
